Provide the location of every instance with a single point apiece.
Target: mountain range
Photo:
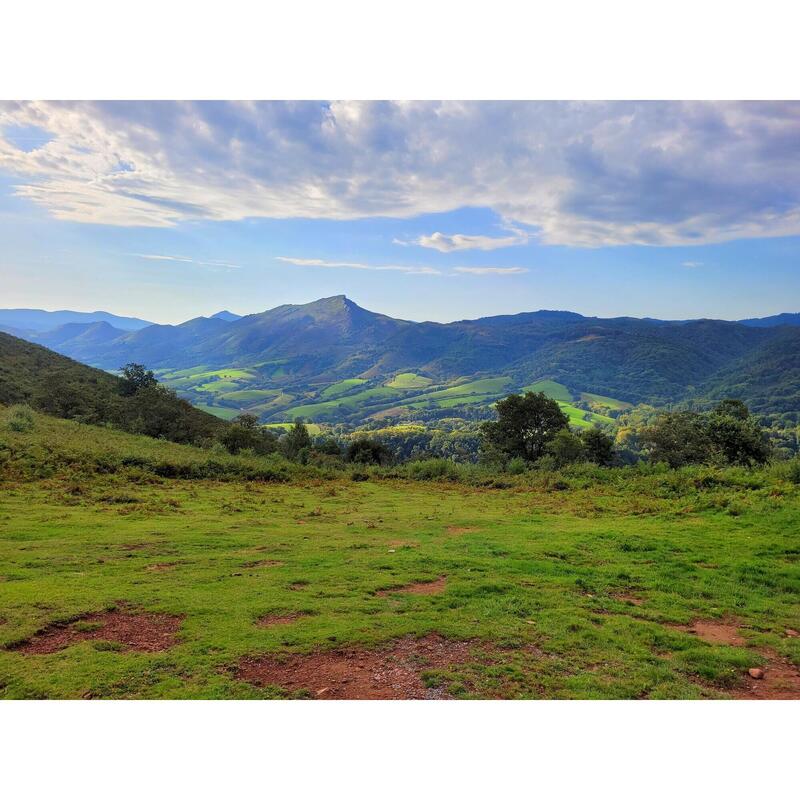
(331, 360)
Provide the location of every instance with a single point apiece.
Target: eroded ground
(390, 590)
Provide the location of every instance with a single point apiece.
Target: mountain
(771, 322)
(227, 316)
(34, 320)
(332, 360)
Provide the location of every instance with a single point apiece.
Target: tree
(297, 441)
(726, 435)
(524, 426)
(328, 446)
(136, 377)
(368, 451)
(598, 447)
(244, 433)
(678, 438)
(565, 448)
(735, 435)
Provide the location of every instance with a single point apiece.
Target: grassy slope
(545, 573)
(409, 380)
(577, 417)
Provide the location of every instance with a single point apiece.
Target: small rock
(756, 673)
(391, 551)
(791, 632)
(530, 622)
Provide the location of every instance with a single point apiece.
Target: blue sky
(422, 211)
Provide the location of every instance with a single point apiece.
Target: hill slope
(333, 360)
(57, 385)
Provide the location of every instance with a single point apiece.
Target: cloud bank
(459, 241)
(581, 174)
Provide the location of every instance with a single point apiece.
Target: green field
(340, 388)
(556, 391)
(588, 583)
(606, 402)
(311, 427)
(409, 380)
(249, 395)
(219, 411)
(577, 417)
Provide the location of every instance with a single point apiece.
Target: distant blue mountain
(36, 320)
(228, 316)
(772, 322)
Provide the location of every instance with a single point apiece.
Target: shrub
(20, 419)
(431, 469)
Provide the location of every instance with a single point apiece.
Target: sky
(420, 210)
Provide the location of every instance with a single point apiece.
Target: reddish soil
(144, 632)
(628, 598)
(716, 632)
(280, 619)
(392, 672)
(424, 587)
(781, 681)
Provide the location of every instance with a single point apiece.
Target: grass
(312, 428)
(341, 387)
(409, 380)
(541, 567)
(219, 411)
(556, 391)
(249, 395)
(605, 402)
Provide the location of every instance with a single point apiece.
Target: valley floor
(162, 588)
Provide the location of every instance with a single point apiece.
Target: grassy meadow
(585, 583)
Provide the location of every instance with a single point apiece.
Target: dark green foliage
(328, 446)
(598, 446)
(735, 435)
(297, 442)
(726, 435)
(136, 377)
(525, 425)
(368, 451)
(246, 434)
(565, 448)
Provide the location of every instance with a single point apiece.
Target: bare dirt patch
(423, 587)
(391, 672)
(780, 680)
(144, 632)
(268, 620)
(716, 632)
(628, 598)
(264, 562)
(458, 530)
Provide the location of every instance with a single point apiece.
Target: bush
(20, 419)
(432, 469)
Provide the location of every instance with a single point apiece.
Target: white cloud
(185, 260)
(318, 262)
(692, 264)
(445, 243)
(580, 174)
(490, 270)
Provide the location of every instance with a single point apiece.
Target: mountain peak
(227, 316)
